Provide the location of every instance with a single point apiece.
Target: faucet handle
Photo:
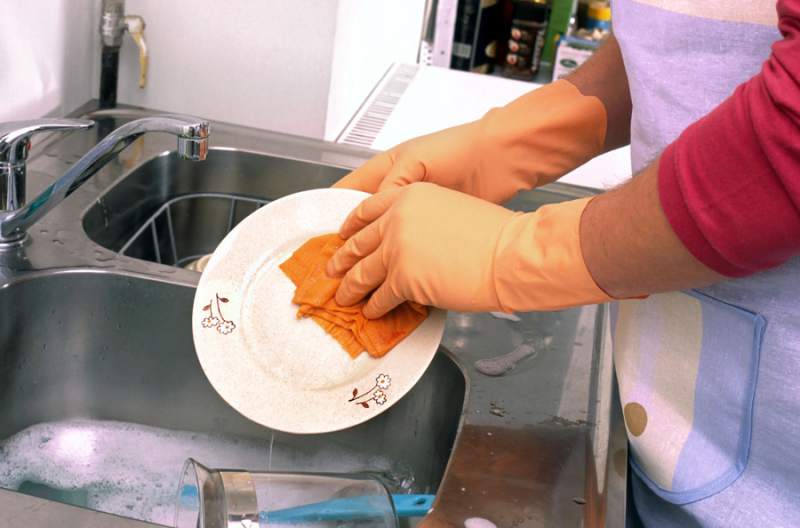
(15, 135)
(135, 26)
(14, 146)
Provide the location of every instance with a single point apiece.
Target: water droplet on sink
(58, 242)
(105, 258)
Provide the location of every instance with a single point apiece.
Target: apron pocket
(687, 367)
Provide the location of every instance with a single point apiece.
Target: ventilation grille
(373, 114)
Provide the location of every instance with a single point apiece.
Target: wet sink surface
(102, 399)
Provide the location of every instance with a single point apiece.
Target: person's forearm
(604, 77)
(722, 200)
(629, 246)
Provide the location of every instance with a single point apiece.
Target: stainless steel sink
(99, 347)
(91, 332)
(206, 200)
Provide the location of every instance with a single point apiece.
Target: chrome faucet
(16, 217)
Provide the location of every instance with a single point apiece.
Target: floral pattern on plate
(377, 394)
(222, 325)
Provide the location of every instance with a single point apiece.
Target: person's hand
(532, 141)
(439, 247)
(449, 158)
(422, 243)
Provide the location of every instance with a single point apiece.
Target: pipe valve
(135, 26)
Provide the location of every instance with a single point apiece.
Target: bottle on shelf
(526, 38)
(598, 16)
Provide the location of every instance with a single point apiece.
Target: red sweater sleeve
(730, 184)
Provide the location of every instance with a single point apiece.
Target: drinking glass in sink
(209, 498)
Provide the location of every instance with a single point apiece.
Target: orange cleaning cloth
(315, 297)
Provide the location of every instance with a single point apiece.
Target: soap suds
(500, 365)
(478, 522)
(134, 470)
(508, 317)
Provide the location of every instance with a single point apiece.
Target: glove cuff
(539, 137)
(538, 262)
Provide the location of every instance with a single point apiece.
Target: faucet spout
(193, 149)
(192, 136)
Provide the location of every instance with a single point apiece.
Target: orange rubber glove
(439, 247)
(533, 140)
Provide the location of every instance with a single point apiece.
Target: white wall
(299, 66)
(48, 57)
(370, 36)
(260, 63)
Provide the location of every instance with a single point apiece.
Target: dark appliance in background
(475, 35)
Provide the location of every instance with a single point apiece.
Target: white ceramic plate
(281, 372)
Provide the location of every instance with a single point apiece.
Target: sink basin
(87, 355)
(206, 200)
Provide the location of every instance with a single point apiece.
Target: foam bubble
(479, 522)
